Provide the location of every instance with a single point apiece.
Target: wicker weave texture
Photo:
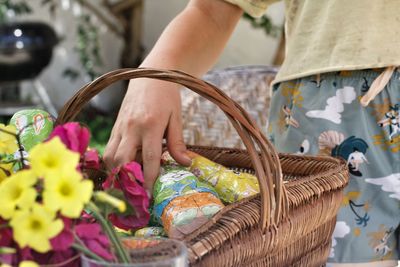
(234, 237)
(205, 124)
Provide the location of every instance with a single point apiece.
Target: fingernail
(149, 194)
(188, 159)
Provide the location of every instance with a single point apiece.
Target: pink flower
(93, 238)
(91, 160)
(6, 237)
(6, 240)
(129, 179)
(63, 240)
(74, 136)
(77, 138)
(68, 257)
(89, 233)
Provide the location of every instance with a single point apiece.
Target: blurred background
(51, 48)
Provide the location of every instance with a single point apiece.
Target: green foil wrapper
(150, 232)
(231, 185)
(34, 126)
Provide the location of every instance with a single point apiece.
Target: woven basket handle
(264, 158)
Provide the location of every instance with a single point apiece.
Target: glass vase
(147, 252)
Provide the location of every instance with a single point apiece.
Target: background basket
(249, 86)
(288, 224)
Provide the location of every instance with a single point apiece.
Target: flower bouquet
(49, 210)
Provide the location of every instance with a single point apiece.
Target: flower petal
(40, 244)
(73, 135)
(27, 198)
(73, 210)
(55, 228)
(7, 210)
(63, 240)
(86, 190)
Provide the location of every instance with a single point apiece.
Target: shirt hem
(285, 78)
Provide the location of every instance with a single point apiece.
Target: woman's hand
(152, 109)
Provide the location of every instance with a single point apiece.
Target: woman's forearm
(193, 41)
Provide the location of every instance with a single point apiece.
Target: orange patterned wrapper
(230, 185)
(187, 213)
(138, 243)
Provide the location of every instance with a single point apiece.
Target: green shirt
(331, 35)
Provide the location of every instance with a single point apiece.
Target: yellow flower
(8, 142)
(52, 158)
(34, 227)
(28, 264)
(17, 191)
(8, 145)
(68, 192)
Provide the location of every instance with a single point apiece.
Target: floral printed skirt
(323, 116)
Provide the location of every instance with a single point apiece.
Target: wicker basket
(288, 224)
(248, 85)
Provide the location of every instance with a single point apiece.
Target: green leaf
(71, 74)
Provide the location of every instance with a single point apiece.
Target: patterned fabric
(324, 116)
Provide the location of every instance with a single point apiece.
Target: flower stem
(88, 252)
(122, 255)
(109, 199)
(7, 250)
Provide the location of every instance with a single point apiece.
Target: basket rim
(318, 158)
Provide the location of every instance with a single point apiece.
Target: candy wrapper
(34, 125)
(150, 232)
(187, 213)
(181, 202)
(230, 185)
(175, 182)
(139, 244)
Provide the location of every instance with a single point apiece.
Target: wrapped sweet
(181, 202)
(187, 213)
(152, 231)
(34, 126)
(230, 185)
